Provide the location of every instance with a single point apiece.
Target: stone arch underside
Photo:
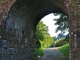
(22, 18)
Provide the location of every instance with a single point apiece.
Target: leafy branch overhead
(62, 22)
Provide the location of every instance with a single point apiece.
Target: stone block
(5, 44)
(11, 57)
(1, 44)
(4, 51)
(11, 51)
(4, 57)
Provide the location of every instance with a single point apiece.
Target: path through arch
(53, 54)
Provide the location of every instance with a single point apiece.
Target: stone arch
(23, 10)
(22, 19)
(21, 23)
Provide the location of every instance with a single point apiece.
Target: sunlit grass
(64, 50)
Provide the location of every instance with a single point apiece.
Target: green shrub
(40, 52)
(64, 50)
(60, 42)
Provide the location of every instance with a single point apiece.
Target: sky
(49, 21)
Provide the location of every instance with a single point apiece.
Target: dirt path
(53, 54)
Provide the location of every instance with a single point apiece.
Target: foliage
(43, 38)
(47, 42)
(41, 30)
(54, 38)
(64, 50)
(60, 42)
(63, 24)
(38, 44)
(75, 3)
(76, 6)
(39, 52)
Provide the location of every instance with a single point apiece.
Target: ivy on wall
(76, 6)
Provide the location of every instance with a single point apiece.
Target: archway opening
(52, 37)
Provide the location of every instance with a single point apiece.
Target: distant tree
(41, 31)
(54, 38)
(60, 42)
(47, 42)
(43, 38)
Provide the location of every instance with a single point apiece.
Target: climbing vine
(74, 2)
(76, 6)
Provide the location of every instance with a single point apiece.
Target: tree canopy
(42, 36)
(41, 30)
(62, 23)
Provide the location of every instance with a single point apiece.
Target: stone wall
(7, 53)
(74, 22)
(5, 6)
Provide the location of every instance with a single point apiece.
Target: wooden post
(38, 58)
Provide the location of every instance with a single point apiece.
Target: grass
(40, 52)
(64, 50)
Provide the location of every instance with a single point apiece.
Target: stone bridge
(18, 20)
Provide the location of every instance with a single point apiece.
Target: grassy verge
(40, 52)
(64, 50)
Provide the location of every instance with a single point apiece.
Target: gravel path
(53, 54)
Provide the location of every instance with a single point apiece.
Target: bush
(60, 42)
(64, 50)
(40, 52)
